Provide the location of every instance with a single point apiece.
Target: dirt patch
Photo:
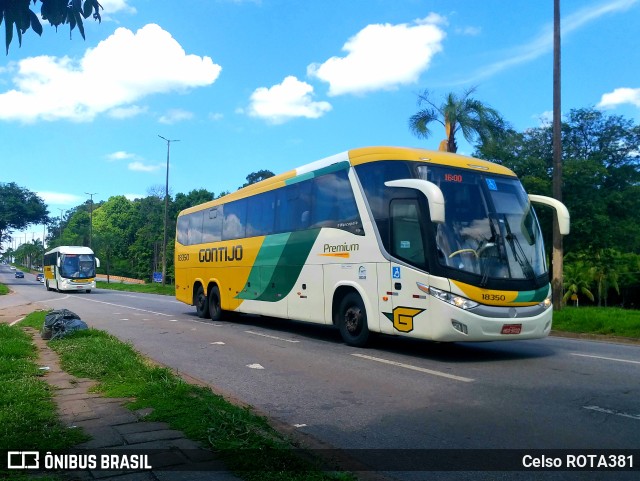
(13, 313)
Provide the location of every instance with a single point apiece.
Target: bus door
(407, 245)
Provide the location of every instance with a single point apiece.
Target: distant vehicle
(19, 274)
(40, 278)
(70, 268)
(13, 268)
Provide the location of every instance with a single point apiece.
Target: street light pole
(166, 212)
(61, 211)
(91, 217)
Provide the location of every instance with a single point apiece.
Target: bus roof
(357, 157)
(71, 250)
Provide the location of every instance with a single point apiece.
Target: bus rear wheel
(352, 320)
(214, 304)
(202, 305)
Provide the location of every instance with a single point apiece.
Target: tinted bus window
(235, 220)
(212, 226)
(260, 214)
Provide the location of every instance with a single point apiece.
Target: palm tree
(577, 279)
(457, 114)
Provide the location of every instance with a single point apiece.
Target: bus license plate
(511, 329)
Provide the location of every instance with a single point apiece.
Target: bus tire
(352, 320)
(46, 284)
(88, 291)
(214, 304)
(202, 305)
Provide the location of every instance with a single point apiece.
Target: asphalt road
(402, 397)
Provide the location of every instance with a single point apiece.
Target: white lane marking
(415, 368)
(271, 337)
(124, 307)
(612, 411)
(255, 366)
(125, 319)
(55, 299)
(605, 358)
(219, 343)
(173, 320)
(299, 425)
(16, 321)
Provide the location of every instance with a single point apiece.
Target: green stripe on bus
(276, 270)
(316, 173)
(538, 295)
(264, 265)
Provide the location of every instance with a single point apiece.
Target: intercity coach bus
(400, 241)
(70, 268)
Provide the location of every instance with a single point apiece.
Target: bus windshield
(77, 266)
(490, 228)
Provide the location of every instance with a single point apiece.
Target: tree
(577, 279)
(462, 114)
(19, 208)
(57, 12)
(254, 177)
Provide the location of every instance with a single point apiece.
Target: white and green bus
(399, 241)
(70, 268)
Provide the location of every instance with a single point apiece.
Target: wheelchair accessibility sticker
(395, 272)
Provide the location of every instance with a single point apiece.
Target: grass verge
(608, 321)
(145, 288)
(3, 290)
(249, 445)
(28, 419)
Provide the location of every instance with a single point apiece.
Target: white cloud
(138, 166)
(126, 112)
(114, 6)
(175, 115)
(285, 101)
(382, 56)
(120, 155)
(58, 198)
(620, 96)
(543, 43)
(116, 73)
(133, 197)
(216, 116)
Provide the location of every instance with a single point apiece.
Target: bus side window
(406, 236)
(235, 220)
(260, 214)
(195, 227)
(212, 226)
(183, 230)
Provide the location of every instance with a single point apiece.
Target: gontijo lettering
(220, 254)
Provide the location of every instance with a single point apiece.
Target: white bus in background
(70, 268)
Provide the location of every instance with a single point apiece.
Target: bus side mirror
(58, 262)
(561, 210)
(97, 262)
(430, 190)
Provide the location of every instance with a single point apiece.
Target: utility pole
(166, 212)
(61, 211)
(91, 217)
(557, 255)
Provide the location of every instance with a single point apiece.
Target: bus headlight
(453, 299)
(547, 302)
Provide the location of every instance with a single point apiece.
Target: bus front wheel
(352, 320)
(200, 300)
(214, 304)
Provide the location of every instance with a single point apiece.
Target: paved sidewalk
(114, 427)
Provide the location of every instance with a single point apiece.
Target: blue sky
(246, 85)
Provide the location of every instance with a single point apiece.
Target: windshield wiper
(518, 252)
